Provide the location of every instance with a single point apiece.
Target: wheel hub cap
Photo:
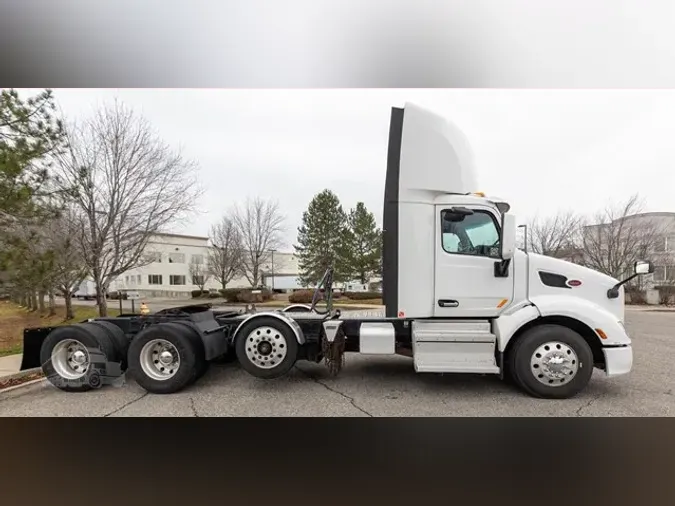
(79, 357)
(554, 363)
(266, 347)
(166, 357)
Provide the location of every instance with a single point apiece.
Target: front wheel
(552, 362)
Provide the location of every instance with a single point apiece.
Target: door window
(477, 234)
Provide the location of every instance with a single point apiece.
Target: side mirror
(509, 228)
(641, 267)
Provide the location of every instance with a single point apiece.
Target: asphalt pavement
(379, 386)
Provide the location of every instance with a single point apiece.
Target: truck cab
(476, 302)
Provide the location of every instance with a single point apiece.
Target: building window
(139, 279)
(176, 258)
(670, 273)
(659, 244)
(175, 279)
(670, 244)
(154, 279)
(154, 257)
(197, 259)
(198, 280)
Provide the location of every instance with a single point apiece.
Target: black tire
(193, 333)
(188, 350)
(523, 352)
(119, 339)
(93, 337)
(284, 333)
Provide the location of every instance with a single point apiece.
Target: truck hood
(565, 278)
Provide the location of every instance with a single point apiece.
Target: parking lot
(383, 386)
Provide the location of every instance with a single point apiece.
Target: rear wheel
(164, 358)
(69, 356)
(266, 347)
(551, 361)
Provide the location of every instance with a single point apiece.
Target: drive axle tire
(69, 353)
(193, 333)
(551, 362)
(119, 339)
(266, 347)
(164, 358)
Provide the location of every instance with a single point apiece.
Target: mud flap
(32, 344)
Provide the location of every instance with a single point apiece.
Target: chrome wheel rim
(554, 364)
(70, 359)
(266, 347)
(159, 359)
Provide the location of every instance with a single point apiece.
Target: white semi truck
(459, 298)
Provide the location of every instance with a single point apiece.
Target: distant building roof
(183, 236)
(650, 214)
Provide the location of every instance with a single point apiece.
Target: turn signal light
(601, 333)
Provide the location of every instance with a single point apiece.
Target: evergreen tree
(321, 239)
(363, 244)
(29, 133)
(30, 136)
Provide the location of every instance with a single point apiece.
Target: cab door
(467, 249)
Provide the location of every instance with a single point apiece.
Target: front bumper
(618, 360)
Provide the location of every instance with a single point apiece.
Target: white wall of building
(169, 275)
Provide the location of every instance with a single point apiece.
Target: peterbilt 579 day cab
(459, 298)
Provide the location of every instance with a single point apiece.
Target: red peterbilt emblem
(574, 282)
(401, 314)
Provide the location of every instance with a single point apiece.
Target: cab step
(462, 346)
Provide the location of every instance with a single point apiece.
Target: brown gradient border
(338, 461)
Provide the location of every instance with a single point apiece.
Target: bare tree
(554, 235)
(225, 255)
(127, 184)
(617, 238)
(199, 273)
(69, 267)
(260, 224)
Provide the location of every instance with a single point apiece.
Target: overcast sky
(541, 150)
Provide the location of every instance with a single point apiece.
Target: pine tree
(29, 133)
(363, 244)
(321, 239)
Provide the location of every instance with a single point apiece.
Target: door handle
(448, 303)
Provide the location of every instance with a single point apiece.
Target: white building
(168, 274)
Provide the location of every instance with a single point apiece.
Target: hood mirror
(641, 267)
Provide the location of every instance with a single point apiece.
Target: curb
(17, 390)
(19, 375)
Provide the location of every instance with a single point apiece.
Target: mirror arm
(613, 292)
